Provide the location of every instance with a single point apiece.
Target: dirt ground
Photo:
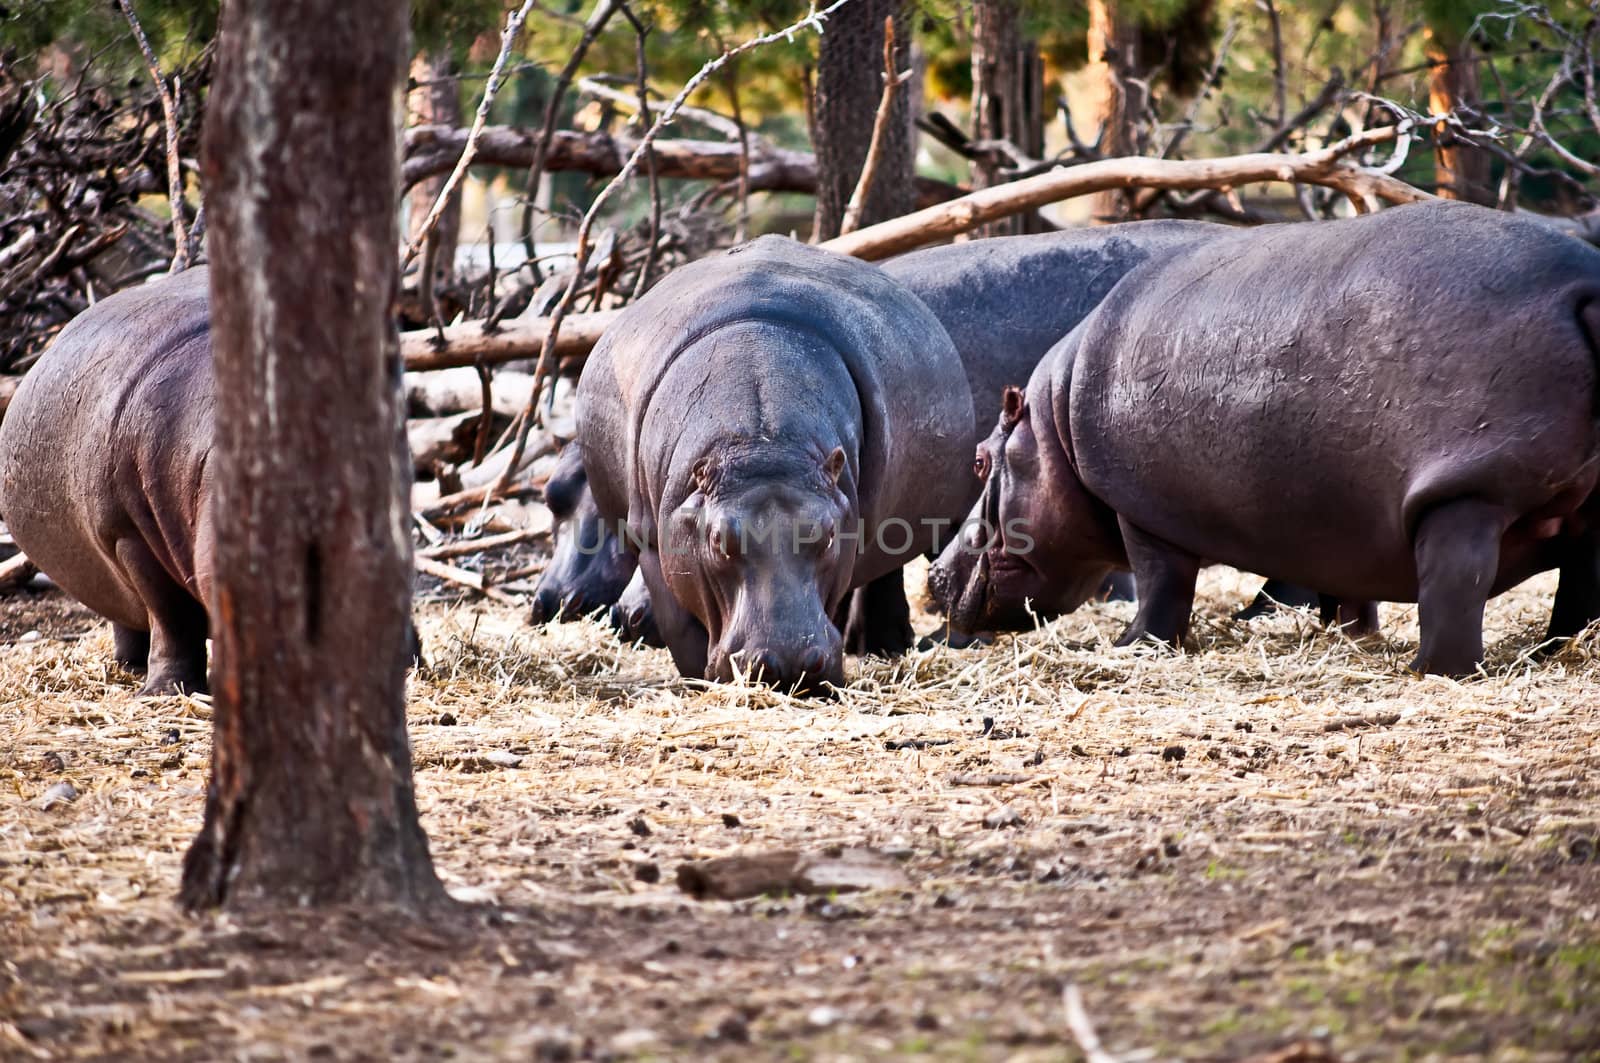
(1278, 844)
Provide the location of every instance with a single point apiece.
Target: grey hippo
(1004, 302)
(1400, 406)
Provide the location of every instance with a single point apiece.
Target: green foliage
(178, 30)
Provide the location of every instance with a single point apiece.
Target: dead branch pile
(75, 162)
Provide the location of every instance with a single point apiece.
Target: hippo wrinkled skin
(103, 472)
(775, 424)
(1400, 406)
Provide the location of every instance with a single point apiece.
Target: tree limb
(169, 115)
(1326, 166)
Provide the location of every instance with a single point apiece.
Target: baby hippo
(1400, 406)
(103, 472)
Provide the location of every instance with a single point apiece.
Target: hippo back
(915, 412)
(1350, 373)
(1006, 301)
(108, 435)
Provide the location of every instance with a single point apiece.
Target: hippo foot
(164, 684)
(132, 648)
(955, 640)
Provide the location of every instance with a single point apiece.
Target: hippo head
(1037, 544)
(632, 615)
(590, 566)
(755, 552)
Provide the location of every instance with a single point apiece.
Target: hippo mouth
(970, 603)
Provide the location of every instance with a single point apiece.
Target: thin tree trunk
(849, 86)
(1113, 50)
(1007, 97)
(1461, 170)
(310, 799)
(436, 101)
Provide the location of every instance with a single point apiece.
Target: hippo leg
(1166, 577)
(1457, 546)
(131, 648)
(956, 640)
(878, 618)
(1577, 601)
(1353, 617)
(1118, 587)
(686, 639)
(177, 656)
(1276, 593)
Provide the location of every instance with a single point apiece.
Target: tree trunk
(436, 101)
(310, 799)
(1461, 170)
(849, 86)
(1113, 54)
(1007, 98)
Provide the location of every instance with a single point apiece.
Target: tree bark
(849, 86)
(436, 101)
(1113, 52)
(1461, 171)
(1007, 98)
(310, 799)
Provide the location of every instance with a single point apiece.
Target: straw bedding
(1277, 842)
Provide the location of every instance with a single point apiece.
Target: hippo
(589, 568)
(631, 614)
(1399, 406)
(775, 425)
(104, 477)
(105, 480)
(1004, 302)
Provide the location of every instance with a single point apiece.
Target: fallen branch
(1082, 1029)
(1327, 166)
(478, 546)
(467, 342)
(462, 578)
(432, 150)
(15, 571)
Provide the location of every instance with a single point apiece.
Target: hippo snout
(807, 669)
(546, 607)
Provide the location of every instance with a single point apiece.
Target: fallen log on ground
(1329, 167)
(432, 150)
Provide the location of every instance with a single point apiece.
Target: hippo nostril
(765, 665)
(813, 660)
(544, 607)
(636, 616)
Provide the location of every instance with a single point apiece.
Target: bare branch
(508, 37)
(169, 115)
(1327, 166)
(892, 80)
(543, 370)
(603, 10)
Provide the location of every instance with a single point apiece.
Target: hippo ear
(1013, 408)
(704, 473)
(833, 465)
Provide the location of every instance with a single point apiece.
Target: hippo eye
(980, 465)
